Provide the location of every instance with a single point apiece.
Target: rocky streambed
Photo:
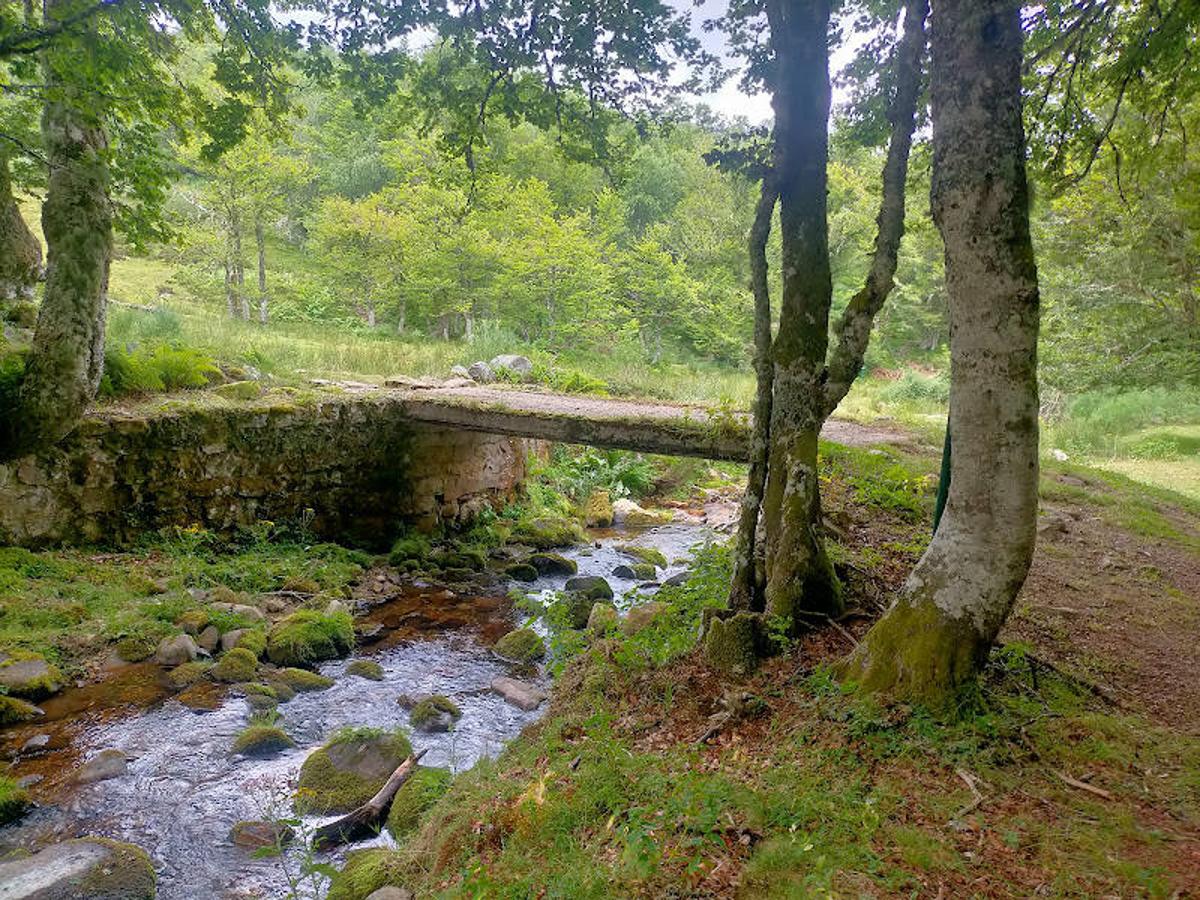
(168, 782)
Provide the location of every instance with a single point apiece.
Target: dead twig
(1083, 785)
(977, 797)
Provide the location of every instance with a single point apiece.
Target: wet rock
(518, 365)
(14, 803)
(30, 677)
(368, 632)
(636, 572)
(594, 587)
(643, 554)
(104, 765)
(209, 638)
(255, 835)
(520, 694)
(241, 610)
(520, 646)
(176, 650)
(521, 572)
(13, 711)
(435, 714)
(188, 674)
(680, 578)
(28, 781)
(348, 770)
(642, 616)
(602, 618)
(626, 512)
(366, 668)
(547, 532)
(481, 372)
(598, 510)
(261, 740)
(35, 743)
(307, 637)
(298, 680)
(239, 664)
(553, 564)
(91, 867)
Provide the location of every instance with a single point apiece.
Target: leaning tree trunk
(938, 633)
(799, 574)
(67, 359)
(20, 251)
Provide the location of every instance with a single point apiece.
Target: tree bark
(745, 592)
(364, 821)
(939, 632)
(63, 372)
(20, 251)
(798, 570)
(260, 243)
(853, 330)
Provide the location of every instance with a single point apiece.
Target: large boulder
(307, 637)
(519, 693)
(626, 512)
(348, 770)
(552, 564)
(176, 650)
(594, 587)
(481, 372)
(91, 867)
(521, 366)
(521, 646)
(29, 676)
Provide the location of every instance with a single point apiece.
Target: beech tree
(940, 629)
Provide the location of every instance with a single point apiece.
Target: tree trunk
(241, 301)
(67, 359)
(230, 296)
(20, 251)
(260, 242)
(939, 632)
(401, 318)
(798, 571)
(745, 592)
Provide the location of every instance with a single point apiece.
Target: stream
(184, 790)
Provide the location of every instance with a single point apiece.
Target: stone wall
(356, 463)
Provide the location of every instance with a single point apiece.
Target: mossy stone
(283, 692)
(644, 554)
(239, 664)
(127, 875)
(598, 509)
(348, 770)
(188, 674)
(366, 668)
(434, 713)
(412, 548)
(547, 532)
(239, 390)
(14, 800)
(299, 680)
(423, 789)
(731, 644)
(594, 587)
(193, 621)
(136, 647)
(307, 637)
(252, 639)
(521, 646)
(521, 572)
(29, 675)
(578, 607)
(602, 618)
(365, 872)
(13, 710)
(301, 585)
(94, 868)
(262, 740)
(553, 564)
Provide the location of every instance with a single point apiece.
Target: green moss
(410, 548)
(193, 621)
(348, 770)
(521, 572)
(547, 532)
(14, 711)
(645, 554)
(238, 664)
(301, 585)
(553, 564)
(223, 594)
(136, 647)
(50, 681)
(130, 876)
(300, 680)
(239, 390)
(366, 668)
(189, 673)
(415, 796)
(252, 639)
(366, 872)
(731, 644)
(522, 646)
(262, 740)
(14, 800)
(306, 637)
(432, 708)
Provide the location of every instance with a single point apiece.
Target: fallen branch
(977, 798)
(1083, 786)
(828, 619)
(362, 822)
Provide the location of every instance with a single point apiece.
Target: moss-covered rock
(598, 510)
(136, 647)
(188, 674)
(462, 559)
(14, 800)
(90, 867)
(575, 606)
(593, 587)
(14, 711)
(731, 643)
(418, 794)
(521, 571)
(239, 664)
(642, 616)
(348, 770)
(552, 564)
(602, 618)
(644, 554)
(193, 621)
(252, 639)
(366, 872)
(307, 637)
(262, 740)
(411, 548)
(29, 675)
(547, 532)
(521, 646)
(366, 668)
(239, 390)
(637, 571)
(298, 680)
(298, 584)
(434, 713)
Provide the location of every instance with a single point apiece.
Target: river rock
(176, 650)
(553, 564)
(31, 677)
(626, 512)
(460, 372)
(209, 638)
(678, 579)
(255, 835)
(35, 743)
(349, 769)
(594, 587)
(481, 372)
(104, 765)
(602, 617)
(241, 610)
(391, 893)
(641, 616)
(520, 694)
(518, 365)
(111, 870)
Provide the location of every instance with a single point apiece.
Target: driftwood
(363, 821)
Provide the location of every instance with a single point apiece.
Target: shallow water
(184, 790)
